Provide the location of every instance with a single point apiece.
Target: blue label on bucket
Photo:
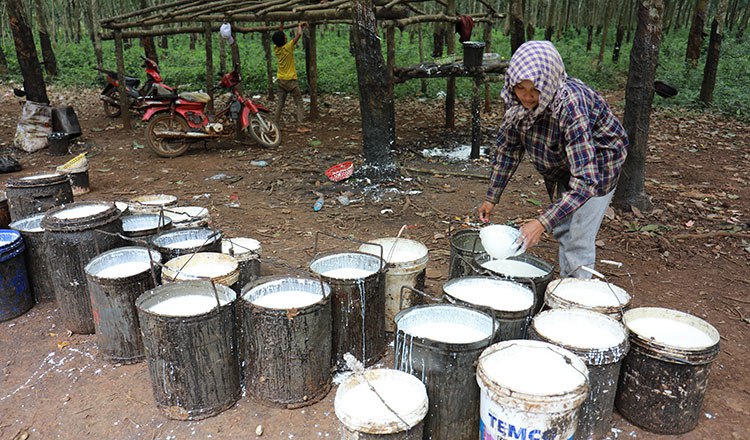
(500, 429)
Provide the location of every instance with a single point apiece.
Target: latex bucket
(525, 269)
(176, 242)
(465, 247)
(144, 226)
(15, 292)
(595, 295)
(393, 411)
(219, 268)
(247, 252)
(190, 338)
(38, 265)
(665, 375)
(286, 325)
(116, 278)
(530, 388)
(357, 283)
(75, 234)
(510, 302)
(601, 342)
(151, 204)
(440, 344)
(188, 216)
(406, 262)
(37, 193)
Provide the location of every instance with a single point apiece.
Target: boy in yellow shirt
(287, 73)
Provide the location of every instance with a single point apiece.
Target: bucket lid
(185, 298)
(533, 371)
(241, 248)
(446, 323)
(139, 223)
(29, 224)
(221, 268)
(283, 293)
(79, 215)
(360, 409)
(124, 262)
(501, 241)
(151, 203)
(588, 294)
(346, 265)
(501, 295)
(671, 328)
(38, 180)
(584, 332)
(187, 214)
(397, 250)
(514, 267)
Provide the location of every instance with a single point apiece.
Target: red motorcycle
(174, 125)
(154, 87)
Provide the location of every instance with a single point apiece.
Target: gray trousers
(577, 237)
(286, 87)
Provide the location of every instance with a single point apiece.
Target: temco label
(498, 429)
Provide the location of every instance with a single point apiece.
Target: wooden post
(121, 90)
(209, 66)
(476, 117)
(266, 41)
(235, 48)
(222, 55)
(312, 70)
(450, 92)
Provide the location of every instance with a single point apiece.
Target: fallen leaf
(303, 130)
(62, 344)
(689, 223)
(314, 142)
(534, 202)
(637, 212)
(609, 213)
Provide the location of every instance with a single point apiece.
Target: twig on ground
(447, 173)
(711, 235)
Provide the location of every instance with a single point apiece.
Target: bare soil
(690, 253)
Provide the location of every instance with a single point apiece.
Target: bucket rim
(516, 285)
(22, 224)
(258, 282)
(213, 235)
(174, 269)
(331, 254)
(52, 223)
(525, 258)
(37, 180)
(11, 240)
(452, 346)
(154, 255)
(172, 289)
(541, 403)
(554, 300)
(412, 419)
(671, 353)
(467, 231)
(246, 253)
(390, 244)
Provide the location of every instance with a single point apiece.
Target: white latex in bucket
(241, 248)
(220, 268)
(514, 268)
(593, 294)
(671, 329)
(500, 295)
(188, 216)
(359, 409)
(151, 204)
(406, 261)
(530, 389)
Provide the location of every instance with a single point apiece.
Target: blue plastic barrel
(15, 293)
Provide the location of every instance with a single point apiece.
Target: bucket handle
(352, 239)
(279, 263)
(603, 277)
(142, 243)
(568, 360)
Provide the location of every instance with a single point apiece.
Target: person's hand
(485, 211)
(531, 232)
(303, 24)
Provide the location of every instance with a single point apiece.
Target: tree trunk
(450, 87)
(193, 39)
(487, 37)
(266, 41)
(422, 81)
(743, 23)
(223, 56)
(731, 16)
(209, 65)
(517, 31)
(3, 60)
(92, 18)
(164, 42)
(712, 57)
(620, 33)
(375, 95)
(124, 104)
(695, 38)
(639, 94)
(438, 39)
(31, 70)
(607, 14)
(549, 25)
(48, 54)
(149, 48)
(311, 66)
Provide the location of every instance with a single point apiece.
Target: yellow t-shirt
(285, 54)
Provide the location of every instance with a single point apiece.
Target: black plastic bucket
(510, 302)
(445, 361)
(247, 253)
(473, 53)
(176, 242)
(116, 278)
(64, 119)
(665, 374)
(15, 292)
(537, 283)
(38, 265)
(145, 226)
(75, 234)
(34, 194)
(58, 144)
(465, 247)
(286, 324)
(601, 342)
(189, 333)
(357, 282)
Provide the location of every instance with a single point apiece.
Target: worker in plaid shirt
(573, 140)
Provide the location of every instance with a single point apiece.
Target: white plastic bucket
(151, 204)
(594, 295)
(362, 412)
(531, 390)
(406, 261)
(601, 342)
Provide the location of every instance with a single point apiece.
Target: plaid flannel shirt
(585, 144)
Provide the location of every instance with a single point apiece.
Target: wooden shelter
(201, 16)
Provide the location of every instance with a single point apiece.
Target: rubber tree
(712, 56)
(375, 95)
(31, 70)
(639, 95)
(48, 54)
(695, 38)
(517, 29)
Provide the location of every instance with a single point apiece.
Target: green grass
(336, 68)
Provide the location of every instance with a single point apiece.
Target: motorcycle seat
(132, 82)
(196, 96)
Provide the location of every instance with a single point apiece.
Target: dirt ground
(691, 253)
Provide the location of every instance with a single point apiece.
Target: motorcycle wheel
(264, 130)
(112, 110)
(166, 147)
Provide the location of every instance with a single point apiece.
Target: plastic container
(364, 416)
(601, 342)
(594, 295)
(65, 120)
(38, 265)
(530, 388)
(665, 374)
(15, 291)
(247, 252)
(151, 204)
(341, 171)
(406, 263)
(58, 144)
(501, 241)
(473, 53)
(37, 193)
(286, 325)
(220, 268)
